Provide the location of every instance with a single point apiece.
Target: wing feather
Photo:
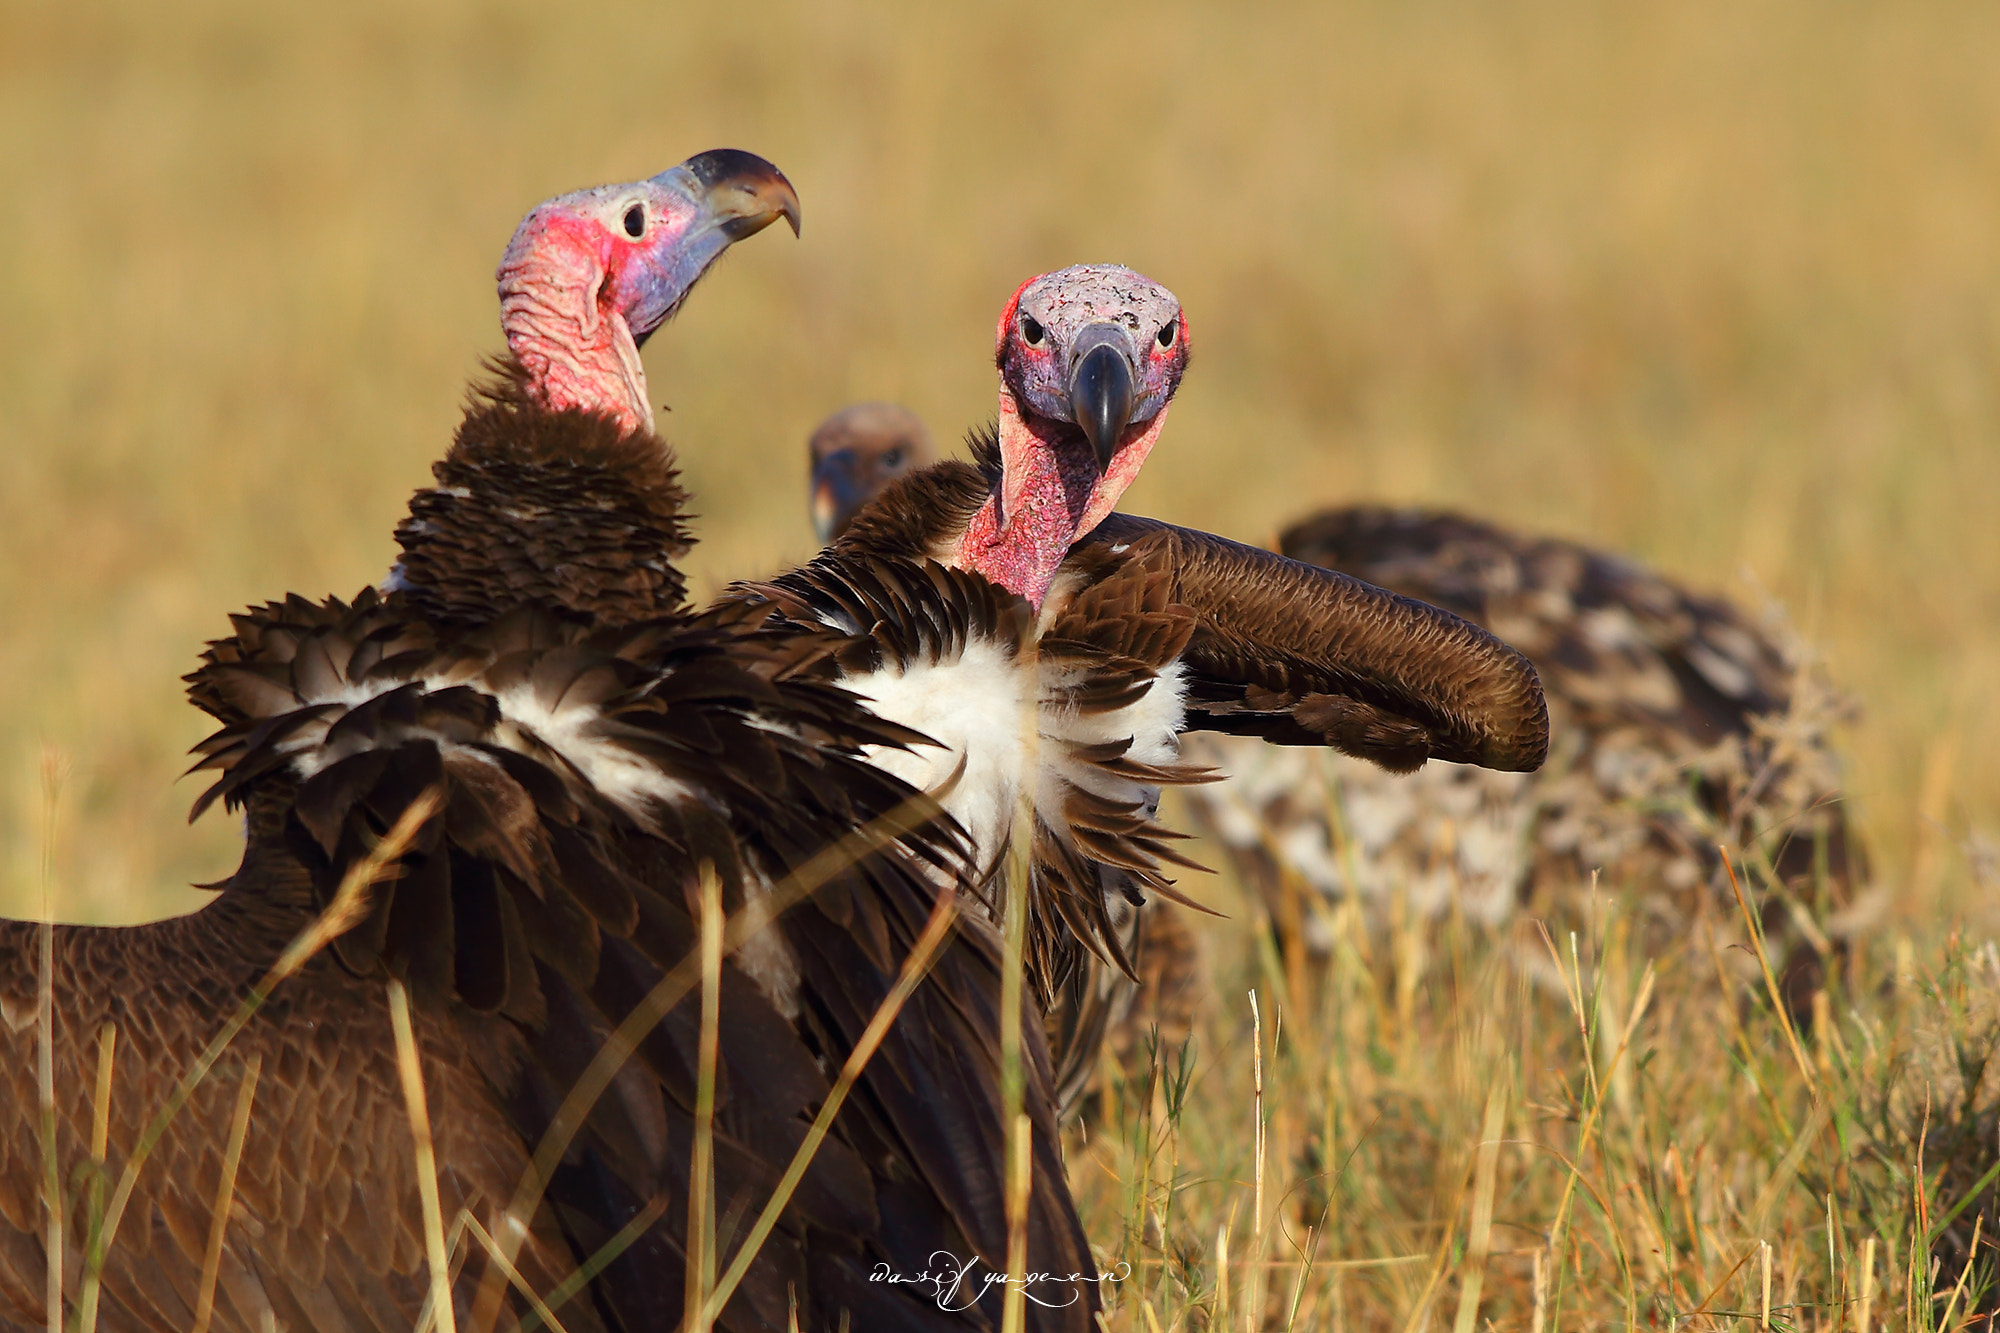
(1303, 655)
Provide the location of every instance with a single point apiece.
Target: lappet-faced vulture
(1055, 650)
(598, 754)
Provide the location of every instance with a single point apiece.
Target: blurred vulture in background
(1677, 723)
(599, 755)
(1056, 650)
(857, 452)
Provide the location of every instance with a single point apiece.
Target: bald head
(855, 453)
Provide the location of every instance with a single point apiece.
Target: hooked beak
(733, 194)
(1100, 389)
(741, 192)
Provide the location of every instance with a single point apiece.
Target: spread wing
(1303, 655)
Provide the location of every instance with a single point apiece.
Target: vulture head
(1089, 358)
(857, 452)
(588, 276)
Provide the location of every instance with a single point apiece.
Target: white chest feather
(1010, 724)
(574, 732)
(980, 708)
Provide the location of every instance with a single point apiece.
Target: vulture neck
(577, 350)
(1040, 494)
(564, 510)
(1046, 493)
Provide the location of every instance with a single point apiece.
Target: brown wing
(324, 1229)
(1302, 655)
(546, 897)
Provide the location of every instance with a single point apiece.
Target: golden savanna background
(1714, 283)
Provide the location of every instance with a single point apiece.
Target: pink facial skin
(589, 275)
(1052, 490)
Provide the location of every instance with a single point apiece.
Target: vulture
(1678, 723)
(1055, 650)
(586, 762)
(855, 454)
(852, 457)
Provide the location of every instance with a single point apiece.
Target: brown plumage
(588, 496)
(1090, 657)
(1678, 723)
(1260, 645)
(595, 748)
(1306, 656)
(1097, 848)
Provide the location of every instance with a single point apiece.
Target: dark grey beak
(1100, 388)
(743, 192)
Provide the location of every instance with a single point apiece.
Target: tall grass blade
(759, 912)
(45, 1088)
(605, 1254)
(1479, 1239)
(100, 1107)
(520, 1284)
(225, 1193)
(1764, 1263)
(1020, 1175)
(100, 1147)
(409, 1066)
(1253, 1271)
(701, 1173)
(1779, 1008)
(54, 770)
(1958, 1288)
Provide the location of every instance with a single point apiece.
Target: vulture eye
(635, 221)
(1031, 331)
(1169, 332)
(894, 458)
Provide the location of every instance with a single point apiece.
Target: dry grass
(1614, 1149)
(1717, 284)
